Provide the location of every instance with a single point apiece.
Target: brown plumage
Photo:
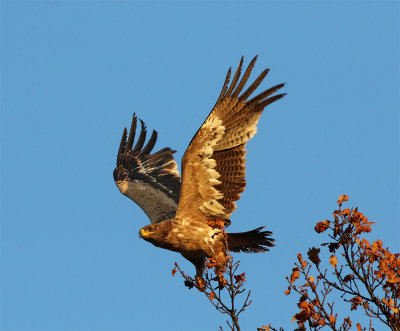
(213, 177)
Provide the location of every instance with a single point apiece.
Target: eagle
(189, 213)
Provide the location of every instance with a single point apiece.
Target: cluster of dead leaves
(310, 307)
(309, 312)
(362, 271)
(388, 268)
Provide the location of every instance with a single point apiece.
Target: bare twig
(223, 291)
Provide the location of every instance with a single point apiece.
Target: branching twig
(369, 276)
(222, 290)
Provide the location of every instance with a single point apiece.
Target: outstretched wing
(150, 180)
(213, 167)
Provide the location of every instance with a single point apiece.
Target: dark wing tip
(254, 85)
(122, 144)
(132, 132)
(150, 144)
(245, 77)
(225, 86)
(126, 145)
(261, 99)
(236, 77)
(142, 138)
(270, 100)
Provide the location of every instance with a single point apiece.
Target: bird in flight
(185, 211)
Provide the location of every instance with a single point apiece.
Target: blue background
(72, 74)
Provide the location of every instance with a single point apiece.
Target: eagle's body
(184, 212)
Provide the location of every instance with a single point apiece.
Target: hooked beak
(143, 233)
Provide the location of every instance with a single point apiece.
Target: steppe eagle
(183, 211)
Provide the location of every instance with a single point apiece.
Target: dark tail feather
(253, 241)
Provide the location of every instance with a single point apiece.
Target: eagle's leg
(199, 263)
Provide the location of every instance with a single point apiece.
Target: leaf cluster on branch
(365, 275)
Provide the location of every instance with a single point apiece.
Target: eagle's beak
(143, 233)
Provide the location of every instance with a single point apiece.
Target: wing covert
(213, 166)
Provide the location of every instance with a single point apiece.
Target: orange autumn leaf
(295, 275)
(395, 309)
(222, 282)
(211, 296)
(376, 245)
(332, 319)
(346, 212)
(302, 262)
(287, 292)
(322, 226)
(342, 198)
(333, 261)
(304, 305)
(365, 243)
(211, 263)
(362, 228)
(173, 272)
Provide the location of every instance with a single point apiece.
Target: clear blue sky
(72, 74)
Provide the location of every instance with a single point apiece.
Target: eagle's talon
(200, 283)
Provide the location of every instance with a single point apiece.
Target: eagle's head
(156, 234)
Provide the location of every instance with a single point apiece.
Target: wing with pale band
(150, 180)
(213, 167)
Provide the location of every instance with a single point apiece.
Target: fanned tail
(253, 241)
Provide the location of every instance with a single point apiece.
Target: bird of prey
(184, 210)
